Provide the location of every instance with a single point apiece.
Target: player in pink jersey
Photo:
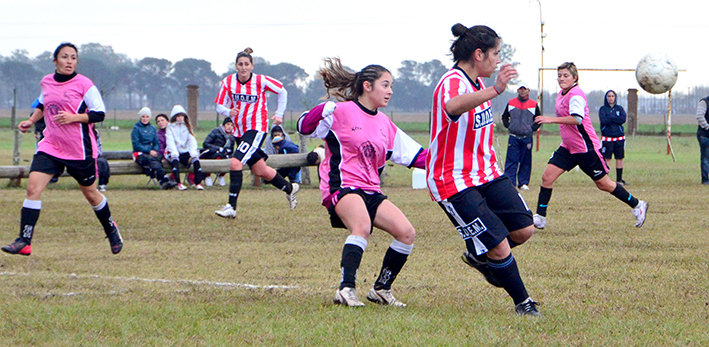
(579, 147)
(69, 104)
(359, 139)
(462, 171)
(242, 96)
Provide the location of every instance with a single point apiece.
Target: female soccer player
(579, 147)
(242, 96)
(69, 104)
(359, 139)
(462, 171)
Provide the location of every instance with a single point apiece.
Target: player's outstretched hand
(24, 126)
(506, 73)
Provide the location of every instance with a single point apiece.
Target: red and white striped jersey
(460, 154)
(249, 99)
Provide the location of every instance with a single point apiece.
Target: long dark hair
(468, 40)
(345, 85)
(62, 45)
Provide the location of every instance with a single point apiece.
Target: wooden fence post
(15, 182)
(193, 105)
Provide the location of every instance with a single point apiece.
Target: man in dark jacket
(219, 144)
(612, 117)
(145, 149)
(281, 145)
(518, 117)
(703, 137)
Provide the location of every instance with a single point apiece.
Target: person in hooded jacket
(146, 147)
(612, 117)
(282, 145)
(181, 146)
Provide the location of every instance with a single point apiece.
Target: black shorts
(613, 149)
(185, 159)
(371, 200)
(248, 150)
(591, 163)
(487, 213)
(83, 171)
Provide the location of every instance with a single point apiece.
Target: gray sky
(593, 34)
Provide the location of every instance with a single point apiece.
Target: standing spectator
(74, 105)
(518, 117)
(146, 146)
(181, 146)
(462, 171)
(219, 144)
(612, 117)
(359, 140)
(703, 137)
(282, 145)
(579, 147)
(242, 96)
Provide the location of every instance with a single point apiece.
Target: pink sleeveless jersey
(74, 141)
(576, 138)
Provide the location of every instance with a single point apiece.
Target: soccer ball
(656, 73)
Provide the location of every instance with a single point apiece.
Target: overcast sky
(593, 34)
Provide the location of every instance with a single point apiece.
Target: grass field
(188, 278)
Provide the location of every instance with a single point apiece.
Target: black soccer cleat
(115, 239)
(527, 308)
(483, 268)
(20, 246)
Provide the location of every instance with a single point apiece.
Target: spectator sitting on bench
(282, 145)
(219, 144)
(146, 149)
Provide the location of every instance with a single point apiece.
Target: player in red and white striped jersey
(242, 96)
(462, 171)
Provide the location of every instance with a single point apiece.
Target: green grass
(181, 278)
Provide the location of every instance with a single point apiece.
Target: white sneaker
(102, 188)
(208, 181)
(347, 297)
(292, 200)
(181, 186)
(199, 187)
(524, 187)
(227, 212)
(221, 181)
(540, 221)
(639, 212)
(384, 297)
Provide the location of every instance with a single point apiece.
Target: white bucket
(418, 179)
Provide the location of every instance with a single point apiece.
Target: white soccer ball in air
(656, 73)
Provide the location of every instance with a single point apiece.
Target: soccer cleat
(640, 212)
(208, 181)
(115, 239)
(20, 246)
(527, 308)
(220, 181)
(347, 297)
(384, 297)
(181, 186)
(524, 187)
(199, 187)
(540, 221)
(227, 212)
(483, 268)
(292, 199)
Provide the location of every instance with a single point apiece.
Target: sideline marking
(160, 280)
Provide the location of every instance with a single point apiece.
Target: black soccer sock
(197, 172)
(394, 261)
(506, 272)
(543, 201)
(103, 213)
(236, 178)
(28, 218)
(279, 182)
(351, 258)
(623, 195)
(176, 170)
(470, 246)
(618, 174)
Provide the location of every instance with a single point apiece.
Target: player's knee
(521, 236)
